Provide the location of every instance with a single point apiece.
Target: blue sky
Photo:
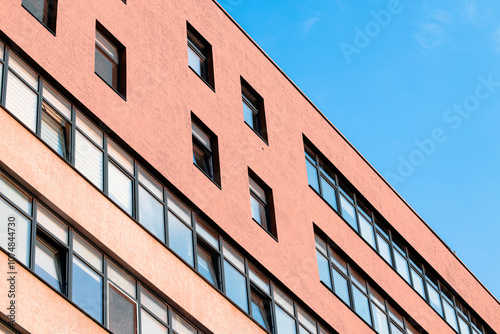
(418, 94)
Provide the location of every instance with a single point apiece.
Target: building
(166, 176)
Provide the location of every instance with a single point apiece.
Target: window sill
(262, 227)
(208, 176)
(258, 134)
(202, 79)
(113, 88)
(43, 24)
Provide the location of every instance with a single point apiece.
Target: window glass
(257, 190)
(23, 70)
(324, 269)
(181, 326)
(151, 213)
(320, 244)
(449, 313)
(380, 320)
(56, 100)
(120, 187)
(341, 286)
(395, 316)
(248, 114)
(89, 129)
(358, 280)
(258, 211)
(434, 299)
(194, 60)
(87, 252)
(122, 279)
(377, 299)
(106, 46)
(87, 289)
(179, 208)
(55, 131)
(89, 160)
(235, 286)
(207, 233)
(106, 69)
(206, 266)
(149, 325)
(154, 305)
(201, 136)
(21, 101)
(348, 212)
(121, 312)
(329, 193)
(402, 266)
(52, 224)
(283, 300)
(338, 261)
(384, 249)
(15, 194)
(361, 304)
(201, 160)
(396, 330)
(150, 182)
(325, 171)
(410, 329)
(259, 312)
(47, 264)
(464, 328)
(312, 176)
(180, 238)
(285, 323)
(1, 73)
(120, 156)
(306, 320)
(259, 279)
(418, 283)
(233, 256)
(21, 231)
(366, 230)
(2, 48)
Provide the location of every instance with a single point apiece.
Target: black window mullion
(138, 286)
(72, 138)
(356, 212)
(38, 127)
(33, 233)
(195, 241)
(249, 289)
(170, 322)
(350, 287)
(105, 178)
(370, 306)
(273, 325)
(3, 93)
(221, 262)
(70, 263)
(105, 291)
(318, 175)
(330, 267)
(135, 192)
(165, 216)
(296, 316)
(337, 193)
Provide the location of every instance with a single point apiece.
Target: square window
(253, 109)
(261, 203)
(44, 11)
(200, 55)
(110, 60)
(205, 150)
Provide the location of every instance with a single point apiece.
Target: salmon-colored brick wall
(155, 121)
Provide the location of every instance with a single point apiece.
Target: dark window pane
(402, 266)
(329, 193)
(151, 213)
(285, 323)
(54, 130)
(206, 266)
(201, 160)
(180, 238)
(47, 264)
(324, 272)
(361, 304)
(348, 212)
(122, 313)
(106, 68)
(87, 289)
(312, 176)
(341, 286)
(259, 312)
(236, 288)
(258, 211)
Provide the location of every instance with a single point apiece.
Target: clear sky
(415, 86)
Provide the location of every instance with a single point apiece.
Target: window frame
(121, 75)
(210, 154)
(255, 103)
(49, 19)
(203, 49)
(270, 227)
